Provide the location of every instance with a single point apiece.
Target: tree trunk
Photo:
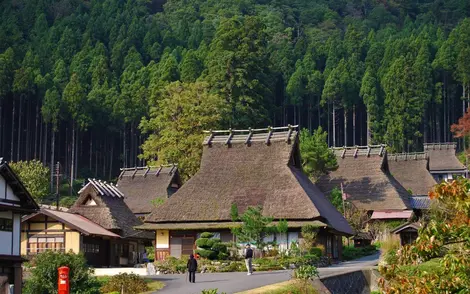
(91, 148)
(40, 142)
(319, 116)
(20, 131)
(12, 129)
(328, 126)
(36, 132)
(309, 117)
(111, 161)
(334, 125)
(1, 126)
(52, 159)
(45, 143)
(124, 146)
(75, 171)
(345, 127)
(28, 122)
(72, 165)
(354, 125)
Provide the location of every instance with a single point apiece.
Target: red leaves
(462, 128)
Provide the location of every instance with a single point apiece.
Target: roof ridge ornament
(159, 170)
(356, 151)
(146, 171)
(289, 133)
(211, 136)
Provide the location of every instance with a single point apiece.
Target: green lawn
(431, 266)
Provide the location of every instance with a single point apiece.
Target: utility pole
(57, 176)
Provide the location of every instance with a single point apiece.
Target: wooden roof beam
(158, 171)
(344, 153)
(147, 171)
(248, 138)
(289, 133)
(229, 138)
(368, 150)
(268, 137)
(356, 151)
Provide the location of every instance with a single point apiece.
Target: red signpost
(63, 283)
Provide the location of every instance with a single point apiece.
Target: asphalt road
(237, 282)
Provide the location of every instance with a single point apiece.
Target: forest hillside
(103, 84)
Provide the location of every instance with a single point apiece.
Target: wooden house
(15, 201)
(364, 173)
(99, 224)
(248, 168)
(443, 164)
(142, 185)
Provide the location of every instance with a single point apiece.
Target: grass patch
(432, 266)
(152, 284)
(292, 287)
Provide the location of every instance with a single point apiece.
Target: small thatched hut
(103, 204)
(142, 185)
(408, 232)
(443, 164)
(364, 173)
(247, 168)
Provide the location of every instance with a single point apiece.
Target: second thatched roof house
(443, 164)
(142, 185)
(364, 173)
(247, 168)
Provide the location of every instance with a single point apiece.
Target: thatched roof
(366, 179)
(411, 170)
(103, 203)
(407, 227)
(249, 168)
(442, 158)
(141, 185)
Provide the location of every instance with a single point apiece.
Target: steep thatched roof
(411, 170)
(366, 180)
(442, 158)
(141, 185)
(249, 168)
(103, 203)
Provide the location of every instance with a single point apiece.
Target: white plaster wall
(10, 194)
(5, 243)
(16, 234)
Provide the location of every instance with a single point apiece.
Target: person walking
(248, 259)
(192, 268)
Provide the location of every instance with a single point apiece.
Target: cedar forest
(103, 84)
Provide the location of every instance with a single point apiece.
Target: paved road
(237, 282)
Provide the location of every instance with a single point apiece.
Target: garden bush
(350, 252)
(210, 247)
(316, 251)
(171, 265)
(44, 274)
(126, 284)
(306, 272)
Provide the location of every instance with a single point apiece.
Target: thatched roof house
(443, 164)
(411, 170)
(255, 167)
(103, 204)
(141, 185)
(364, 173)
(249, 168)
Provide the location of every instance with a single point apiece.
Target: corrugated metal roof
(79, 223)
(405, 214)
(420, 202)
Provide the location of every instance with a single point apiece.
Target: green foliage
(171, 265)
(210, 247)
(351, 253)
(211, 291)
(309, 234)
(306, 272)
(44, 273)
(317, 158)
(176, 123)
(234, 212)
(255, 226)
(35, 177)
(125, 283)
(336, 198)
(150, 252)
(157, 201)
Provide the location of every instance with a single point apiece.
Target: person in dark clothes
(248, 259)
(192, 268)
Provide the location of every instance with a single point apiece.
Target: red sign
(63, 283)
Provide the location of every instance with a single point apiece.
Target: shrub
(210, 247)
(350, 253)
(125, 283)
(306, 272)
(44, 275)
(171, 265)
(211, 291)
(150, 252)
(316, 251)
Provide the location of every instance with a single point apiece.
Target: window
(91, 248)
(39, 244)
(6, 224)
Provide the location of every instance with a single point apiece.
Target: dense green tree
(176, 123)
(35, 177)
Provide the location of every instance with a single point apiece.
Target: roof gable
(442, 157)
(110, 210)
(363, 171)
(248, 168)
(141, 185)
(13, 182)
(411, 170)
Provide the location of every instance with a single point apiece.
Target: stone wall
(354, 282)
